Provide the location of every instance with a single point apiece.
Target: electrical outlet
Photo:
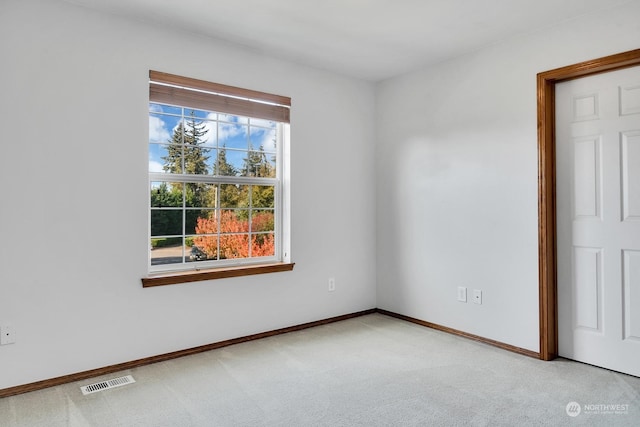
(462, 294)
(332, 284)
(7, 334)
(477, 296)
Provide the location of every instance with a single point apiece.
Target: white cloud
(212, 130)
(155, 166)
(158, 131)
(229, 126)
(269, 140)
(226, 130)
(155, 108)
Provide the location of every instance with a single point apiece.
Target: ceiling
(368, 39)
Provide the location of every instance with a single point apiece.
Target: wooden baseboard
(39, 385)
(79, 376)
(491, 342)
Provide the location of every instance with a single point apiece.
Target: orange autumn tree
(234, 236)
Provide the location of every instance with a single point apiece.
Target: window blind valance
(171, 89)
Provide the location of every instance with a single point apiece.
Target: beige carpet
(370, 371)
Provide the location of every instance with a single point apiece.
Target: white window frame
(221, 95)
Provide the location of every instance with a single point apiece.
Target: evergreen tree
(256, 164)
(186, 144)
(165, 222)
(162, 197)
(186, 155)
(223, 167)
(229, 193)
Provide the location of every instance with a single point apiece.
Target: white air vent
(105, 385)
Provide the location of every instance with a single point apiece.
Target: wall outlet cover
(462, 294)
(7, 334)
(477, 296)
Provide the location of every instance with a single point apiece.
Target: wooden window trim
(179, 277)
(547, 265)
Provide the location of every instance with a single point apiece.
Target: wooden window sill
(174, 278)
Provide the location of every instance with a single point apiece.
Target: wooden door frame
(547, 256)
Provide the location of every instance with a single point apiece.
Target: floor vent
(105, 385)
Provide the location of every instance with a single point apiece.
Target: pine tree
(229, 193)
(186, 155)
(256, 164)
(223, 167)
(186, 143)
(257, 198)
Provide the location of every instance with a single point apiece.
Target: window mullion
(249, 217)
(218, 213)
(184, 220)
(240, 180)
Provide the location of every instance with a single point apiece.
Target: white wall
(456, 168)
(457, 178)
(73, 216)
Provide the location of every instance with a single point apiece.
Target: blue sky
(234, 132)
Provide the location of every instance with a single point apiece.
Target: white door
(598, 219)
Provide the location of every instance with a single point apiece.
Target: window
(217, 175)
